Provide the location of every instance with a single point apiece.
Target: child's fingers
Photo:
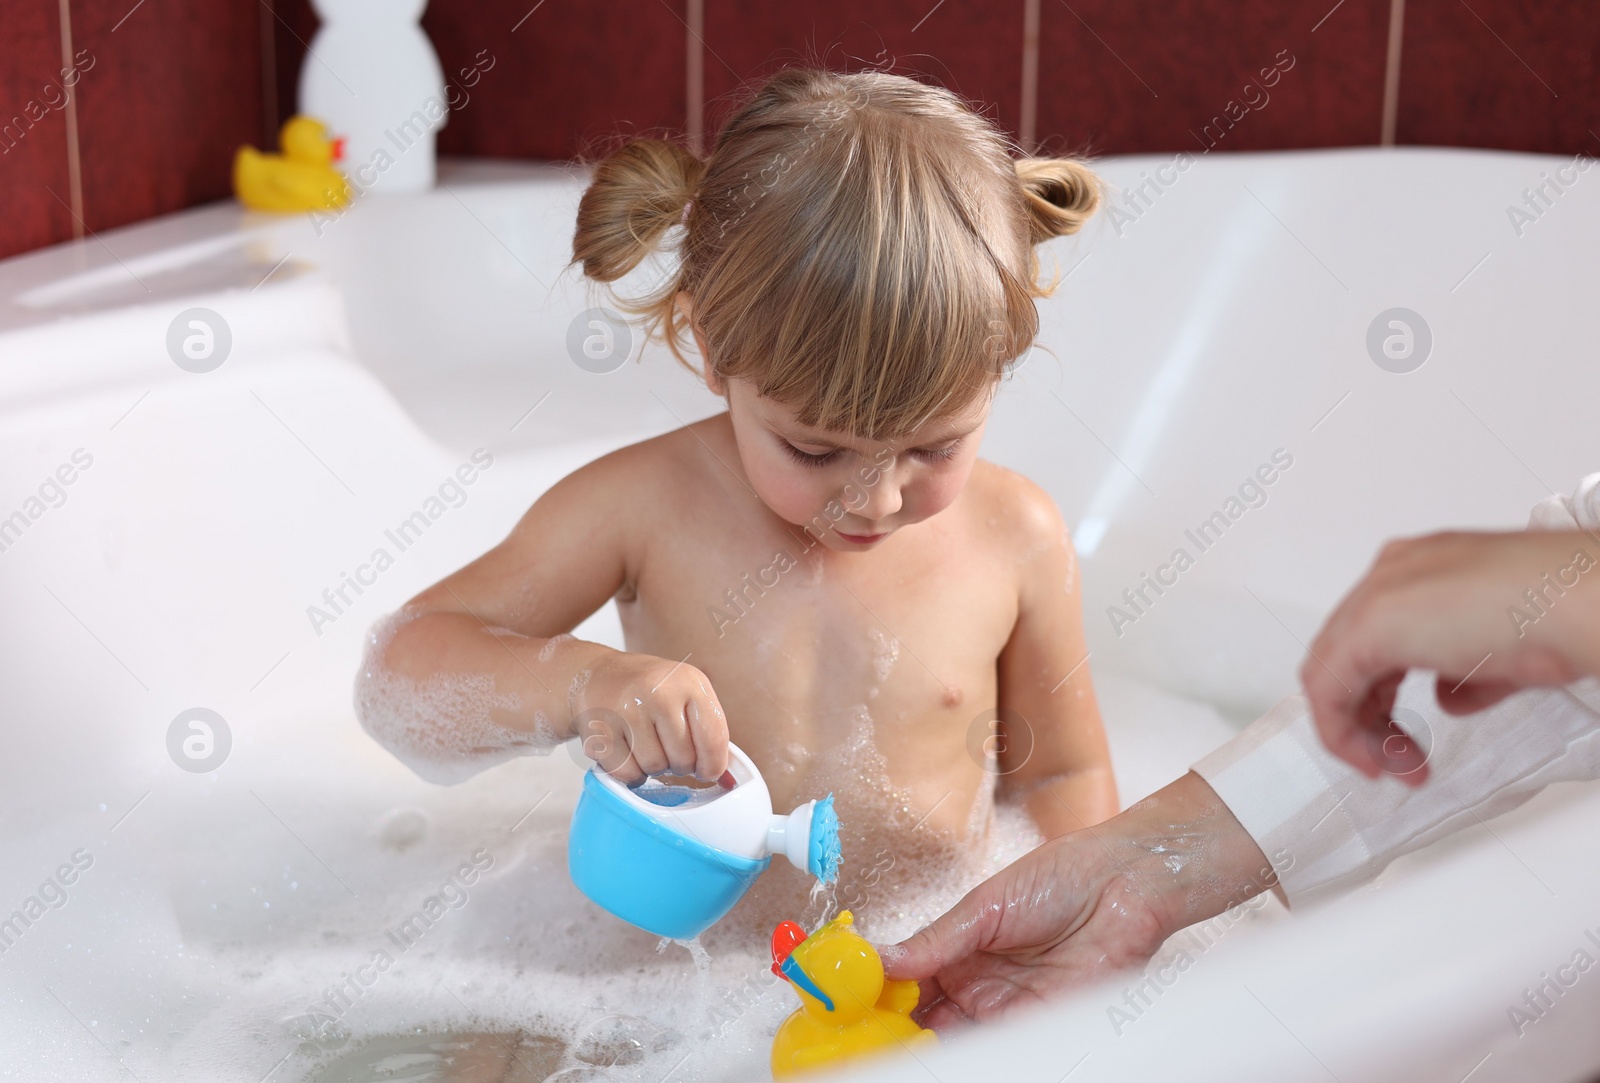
(669, 716)
(672, 730)
(605, 738)
(612, 754)
(709, 729)
(608, 739)
(644, 742)
(629, 773)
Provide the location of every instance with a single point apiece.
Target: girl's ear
(713, 381)
(685, 303)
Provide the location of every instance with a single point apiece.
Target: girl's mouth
(861, 539)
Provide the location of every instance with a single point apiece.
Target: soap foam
(548, 651)
(441, 727)
(885, 652)
(898, 870)
(525, 966)
(311, 845)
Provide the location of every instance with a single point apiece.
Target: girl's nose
(883, 499)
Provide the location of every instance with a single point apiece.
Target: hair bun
(637, 194)
(1062, 193)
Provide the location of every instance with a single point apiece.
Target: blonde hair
(858, 246)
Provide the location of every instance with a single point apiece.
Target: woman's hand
(638, 715)
(1062, 916)
(1459, 604)
(1083, 906)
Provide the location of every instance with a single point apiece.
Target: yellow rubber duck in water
(302, 178)
(847, 1009)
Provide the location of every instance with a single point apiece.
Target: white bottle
(373, 78)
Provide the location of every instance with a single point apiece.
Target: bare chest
(891, 653)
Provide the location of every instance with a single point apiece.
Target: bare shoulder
(640, 483)
(644, 471)
(1016, 512)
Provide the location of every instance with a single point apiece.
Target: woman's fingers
(951, 938)
(1458, 698)
(1335, 708)
(1476, 608)
(946, 1016)
(1397, 752)
(1392, 748)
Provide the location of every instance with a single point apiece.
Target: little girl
(826, 573)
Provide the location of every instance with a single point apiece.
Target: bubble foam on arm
(442, 726)
(477, 668)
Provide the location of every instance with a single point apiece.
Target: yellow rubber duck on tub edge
(847, 1009)
(302, 178)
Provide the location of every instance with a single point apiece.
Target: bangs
(883, 284)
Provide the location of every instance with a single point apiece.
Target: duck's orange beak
(785, 938)
(338, 149)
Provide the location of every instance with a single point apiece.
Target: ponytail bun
(637, 194)
(1061, 192)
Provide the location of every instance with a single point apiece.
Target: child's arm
(1055, 752)
(497, 620)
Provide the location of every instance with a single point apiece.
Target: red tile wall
(974, 47)
(177, 85)
(175, 89)
(1501, 73)
(33, 152)
(568, 78)
(1115, 78)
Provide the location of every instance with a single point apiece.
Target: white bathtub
(1226, 322)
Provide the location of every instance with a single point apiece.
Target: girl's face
(850, 493)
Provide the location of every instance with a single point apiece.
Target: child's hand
(639, 715)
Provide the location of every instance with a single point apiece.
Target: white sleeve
(1327, 828)
(1580, 511)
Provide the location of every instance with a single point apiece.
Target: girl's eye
(806, 458)
(938, 455)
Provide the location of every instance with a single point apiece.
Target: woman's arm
(1054, 753)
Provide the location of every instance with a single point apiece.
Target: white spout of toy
(790, 836)
(809, 838)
